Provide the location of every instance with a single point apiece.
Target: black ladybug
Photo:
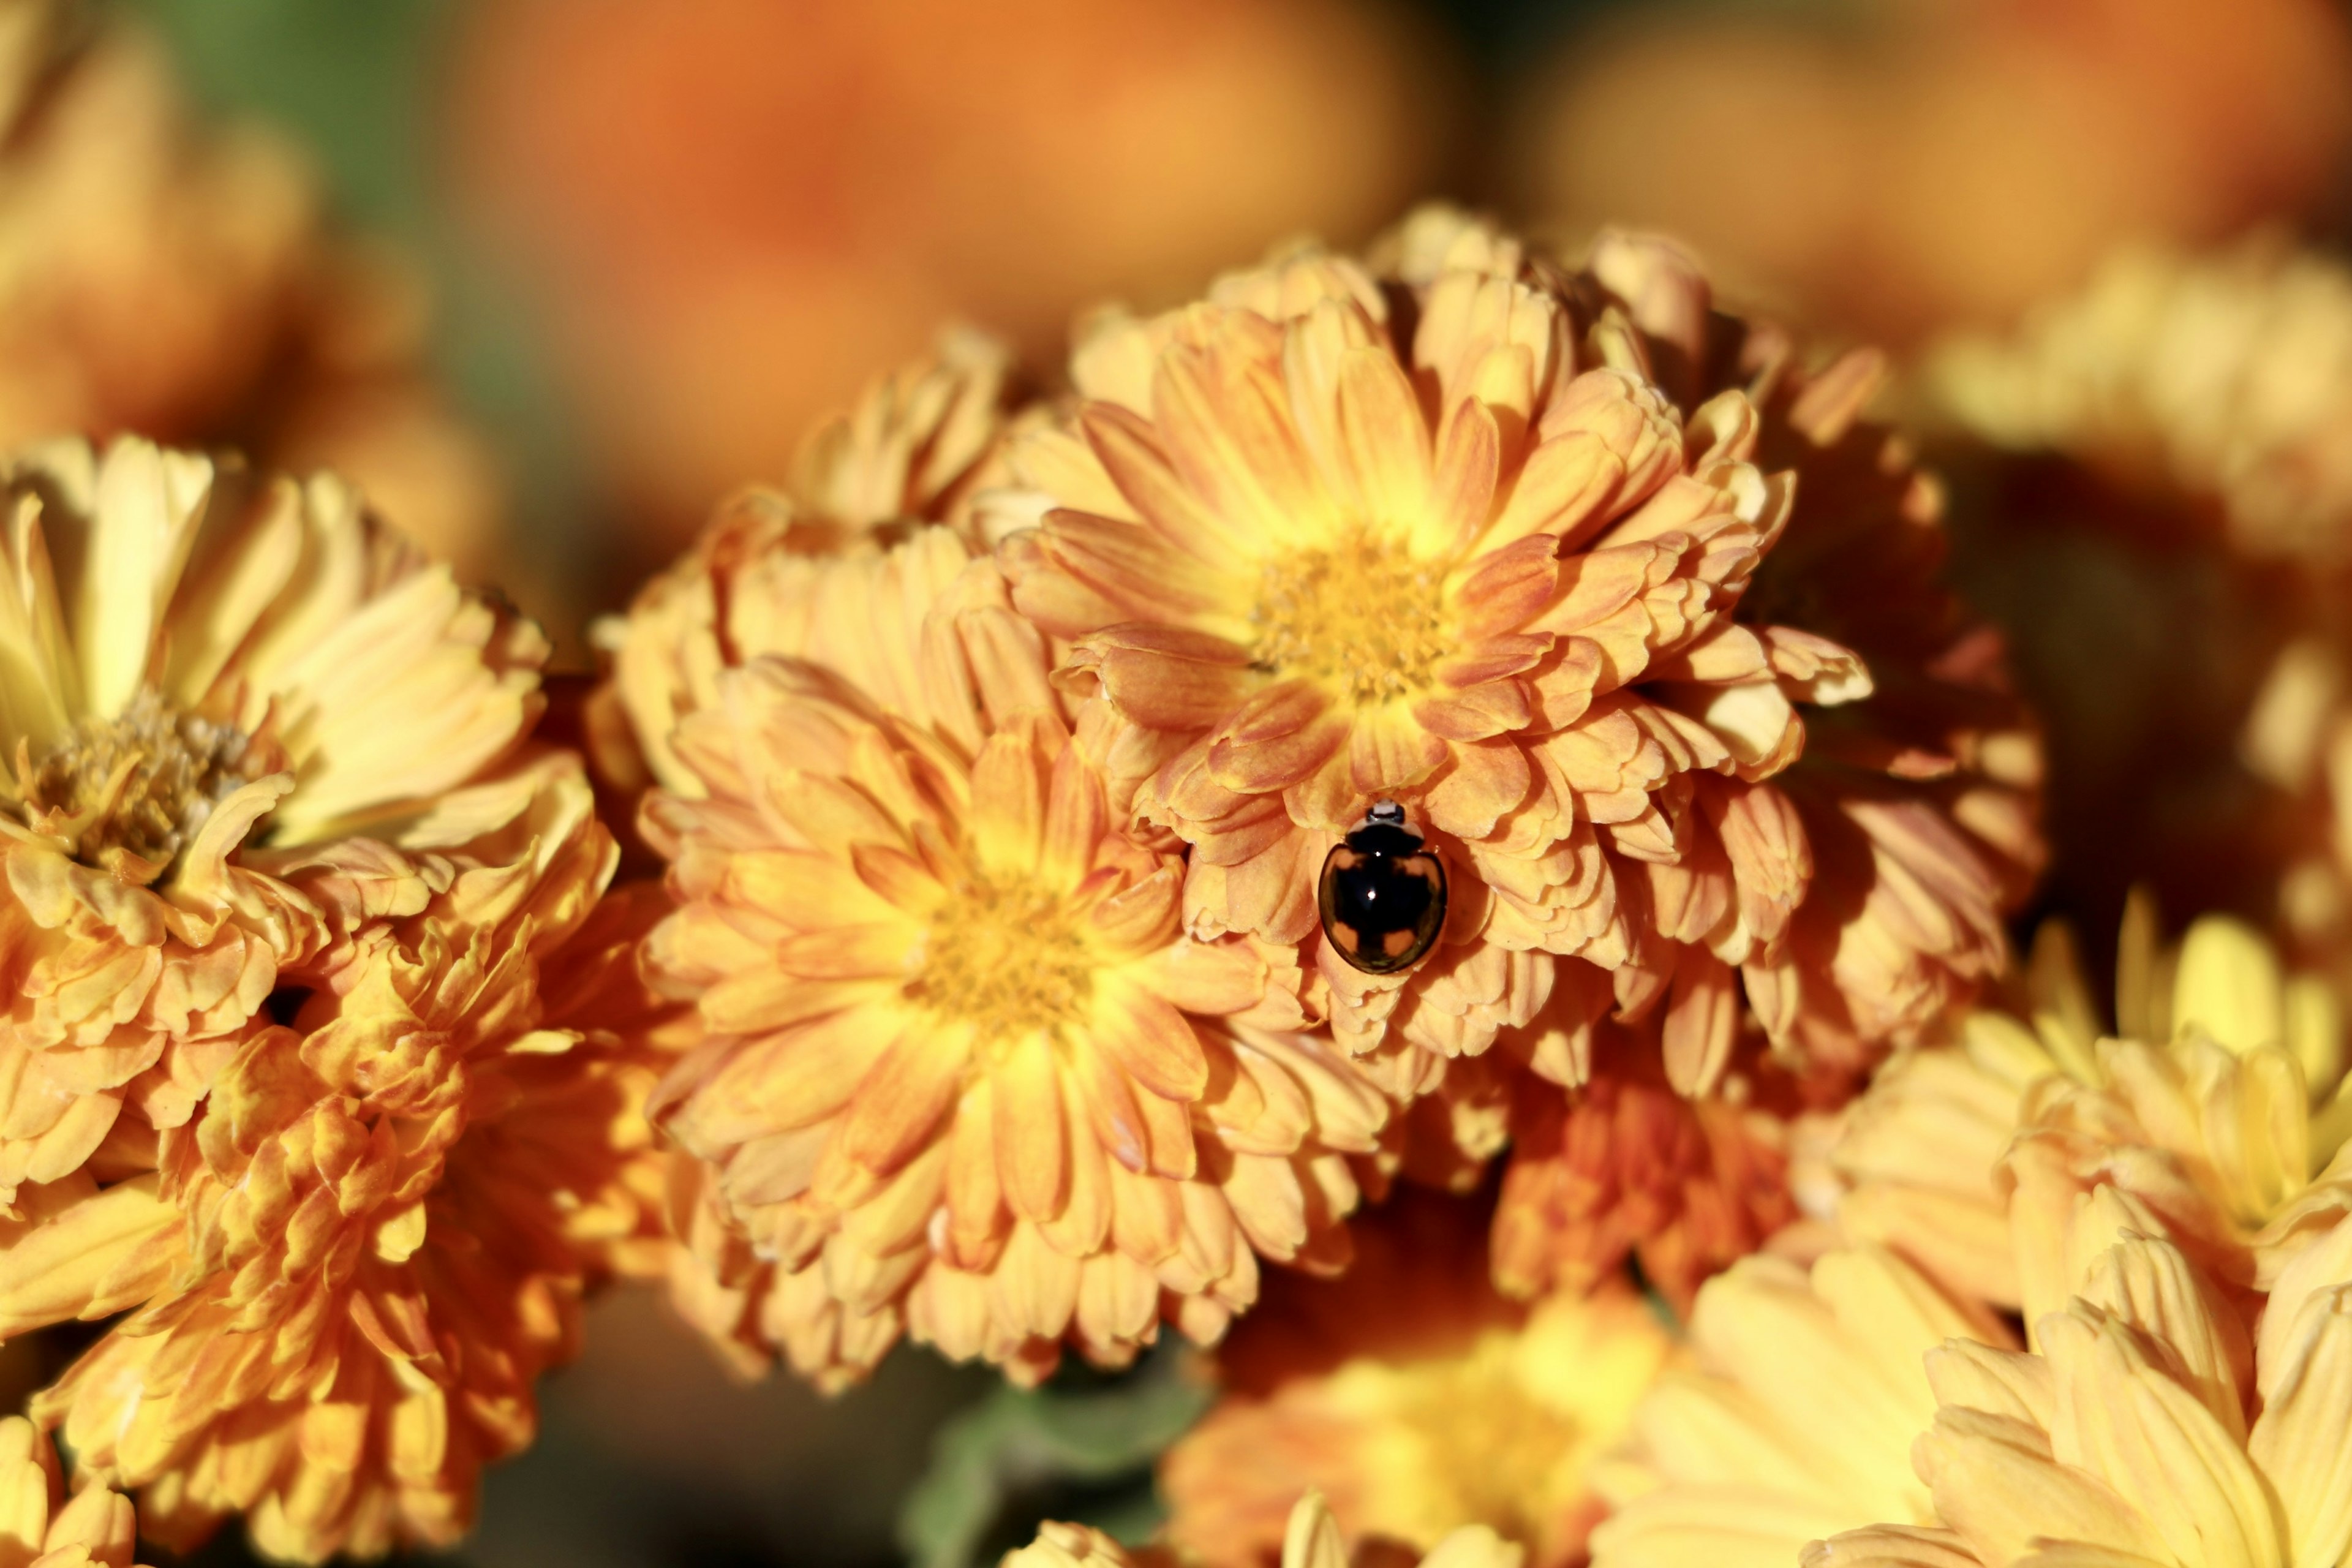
(1382, 895)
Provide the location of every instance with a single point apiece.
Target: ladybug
(1382, 894)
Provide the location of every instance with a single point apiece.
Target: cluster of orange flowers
(1428, 815)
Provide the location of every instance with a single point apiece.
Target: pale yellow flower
(346, 1269)
(2142, 1431)
(2228, 373)
(1974, 1158)
(1415, 1399)
(1797, 1422)
(207, 677)
(961, 1073)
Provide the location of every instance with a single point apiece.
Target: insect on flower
(1382, 894)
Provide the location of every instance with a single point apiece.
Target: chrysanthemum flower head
(201, 674)
(2138, 1432)
(1798, 1420)
(1475, 534)
(796, 572)
(963, 1071)
(348, 1265)
(1461, 557)
(1311, 1538)
(1415, 1399)
(1978, 1158)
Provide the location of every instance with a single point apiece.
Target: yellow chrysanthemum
(41, 1527)
(2220, 1110)
(347, 1268)
(961, 1071)
(1487, 539)
(1797, 1422)
(2143, 1430)
(762, 579)
(1414, 1400)
(205, 677)
(2231, 373)
(1311, 1538)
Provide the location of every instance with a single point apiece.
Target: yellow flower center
(1007, 956)
(1499, 1449)
(1364, 618)
(142, 782)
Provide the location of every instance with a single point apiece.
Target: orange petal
(848, 952)
(1168, 678)
(1507, 587)
(1031, 1138)
(1213, 978)
(1154, 1042)
(1386, 436)
(1008, 798)
(900, 1102)
(1280, 736)
(1484, 782)
(1701, 1023)
(1389, 753)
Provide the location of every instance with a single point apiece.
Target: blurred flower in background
(729, 212)
(183, 281)
(1896, 168)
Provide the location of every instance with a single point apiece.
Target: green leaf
(1079, 1448)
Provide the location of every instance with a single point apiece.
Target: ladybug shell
(1382, 896)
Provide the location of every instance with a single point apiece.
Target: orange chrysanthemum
(1415, 1399)
(1608, 1161)
(1484, 538)
(347, 1268)
(207, 677)
(961, 1072)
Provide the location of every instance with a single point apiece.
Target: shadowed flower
(1479, 541)
(1414, 1400)
(1918, 806)
(1798, 1421)
(1310, 1539)
(1608, 1161)
(1979, 1159)
(2141, 1432)
(2226, 372)
(961, 1071)
(206, 673)
(809, 573)
(347, 1268)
